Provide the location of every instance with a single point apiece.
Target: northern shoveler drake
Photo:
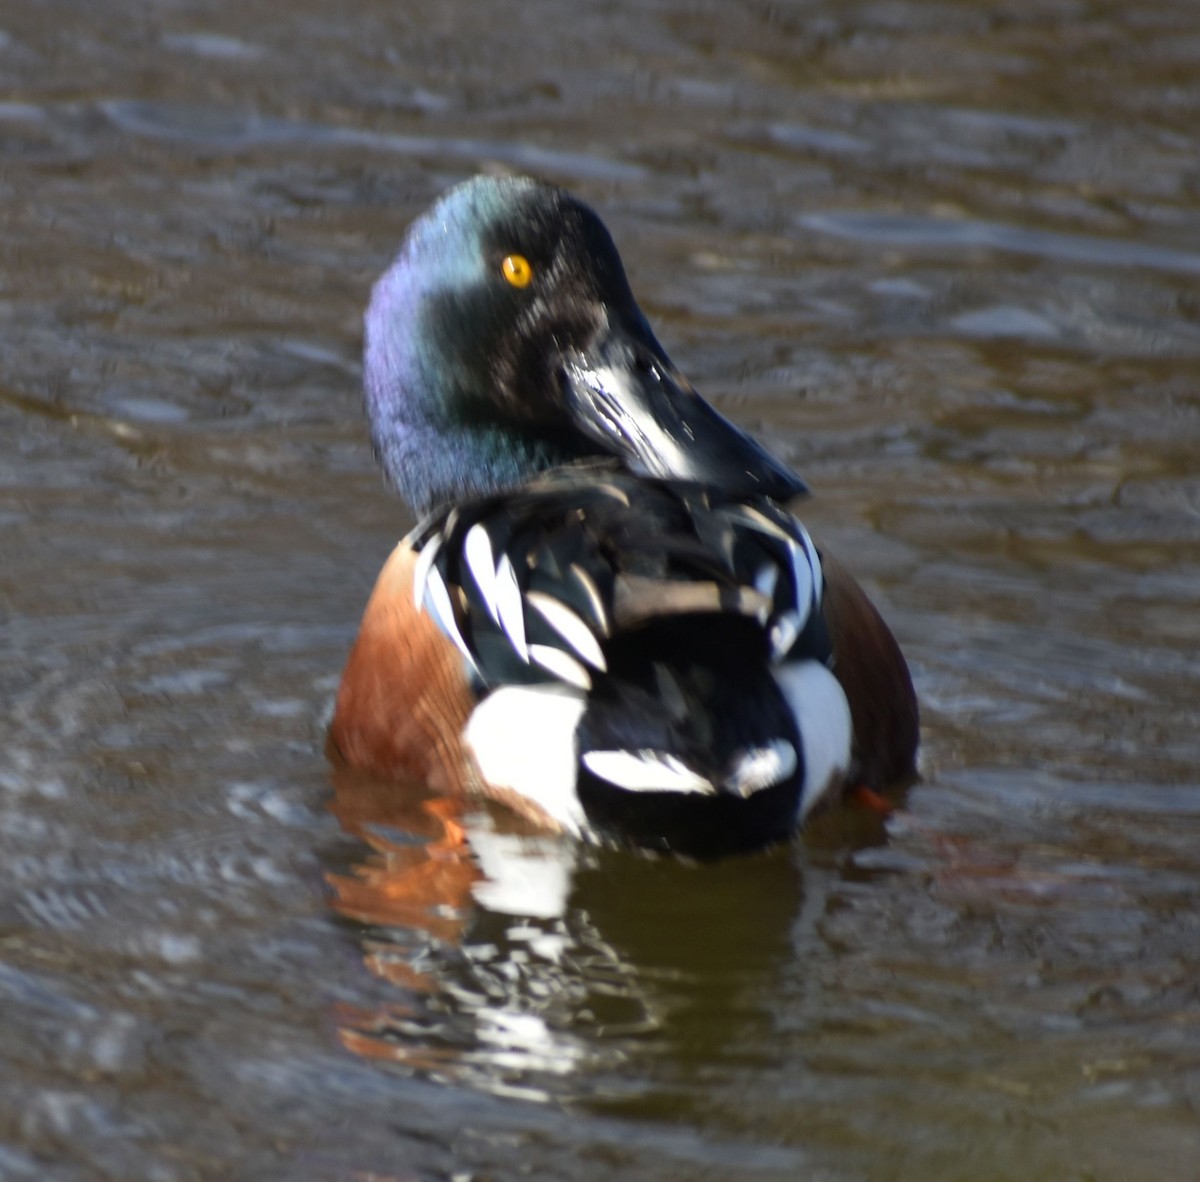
(607, 618)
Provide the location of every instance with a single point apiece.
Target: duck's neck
(430, 468)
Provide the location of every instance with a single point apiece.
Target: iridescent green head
(504, 340)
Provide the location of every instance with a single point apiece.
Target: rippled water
(944, 255)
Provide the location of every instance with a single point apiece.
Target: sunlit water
(943, 256)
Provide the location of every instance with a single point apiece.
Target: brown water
(945, 256)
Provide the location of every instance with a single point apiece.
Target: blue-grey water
(943, 256)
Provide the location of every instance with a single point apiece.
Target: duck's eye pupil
(516, 270)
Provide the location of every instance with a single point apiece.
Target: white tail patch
(646, 771)
(570, 626)
(822, 715)
(762, 767)
(523, 740)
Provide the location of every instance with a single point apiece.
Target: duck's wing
(542, 584)
(673, 634)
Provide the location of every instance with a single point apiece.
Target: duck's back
(649, 657)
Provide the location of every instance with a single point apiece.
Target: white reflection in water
(522, 875)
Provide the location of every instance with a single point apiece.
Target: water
(943, 255)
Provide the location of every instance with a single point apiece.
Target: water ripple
(914, 232)
(235, 132)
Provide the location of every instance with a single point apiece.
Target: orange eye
(516, 270)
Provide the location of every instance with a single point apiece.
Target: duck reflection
(520, 959)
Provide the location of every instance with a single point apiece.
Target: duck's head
(504, 340)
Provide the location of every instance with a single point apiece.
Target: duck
(607, 618)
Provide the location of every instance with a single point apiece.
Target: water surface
(942, 255)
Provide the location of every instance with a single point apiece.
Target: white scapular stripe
(562, 665)
(814, 562)
(437, 603)
(422, 567)
(588, 584)
(804, 566)
(762, 767)
(477, 549)
(523, 739)
(646, 771)
(802, 554)
(758, 520)
(570, 626)
(508, 602)
(822, 715)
